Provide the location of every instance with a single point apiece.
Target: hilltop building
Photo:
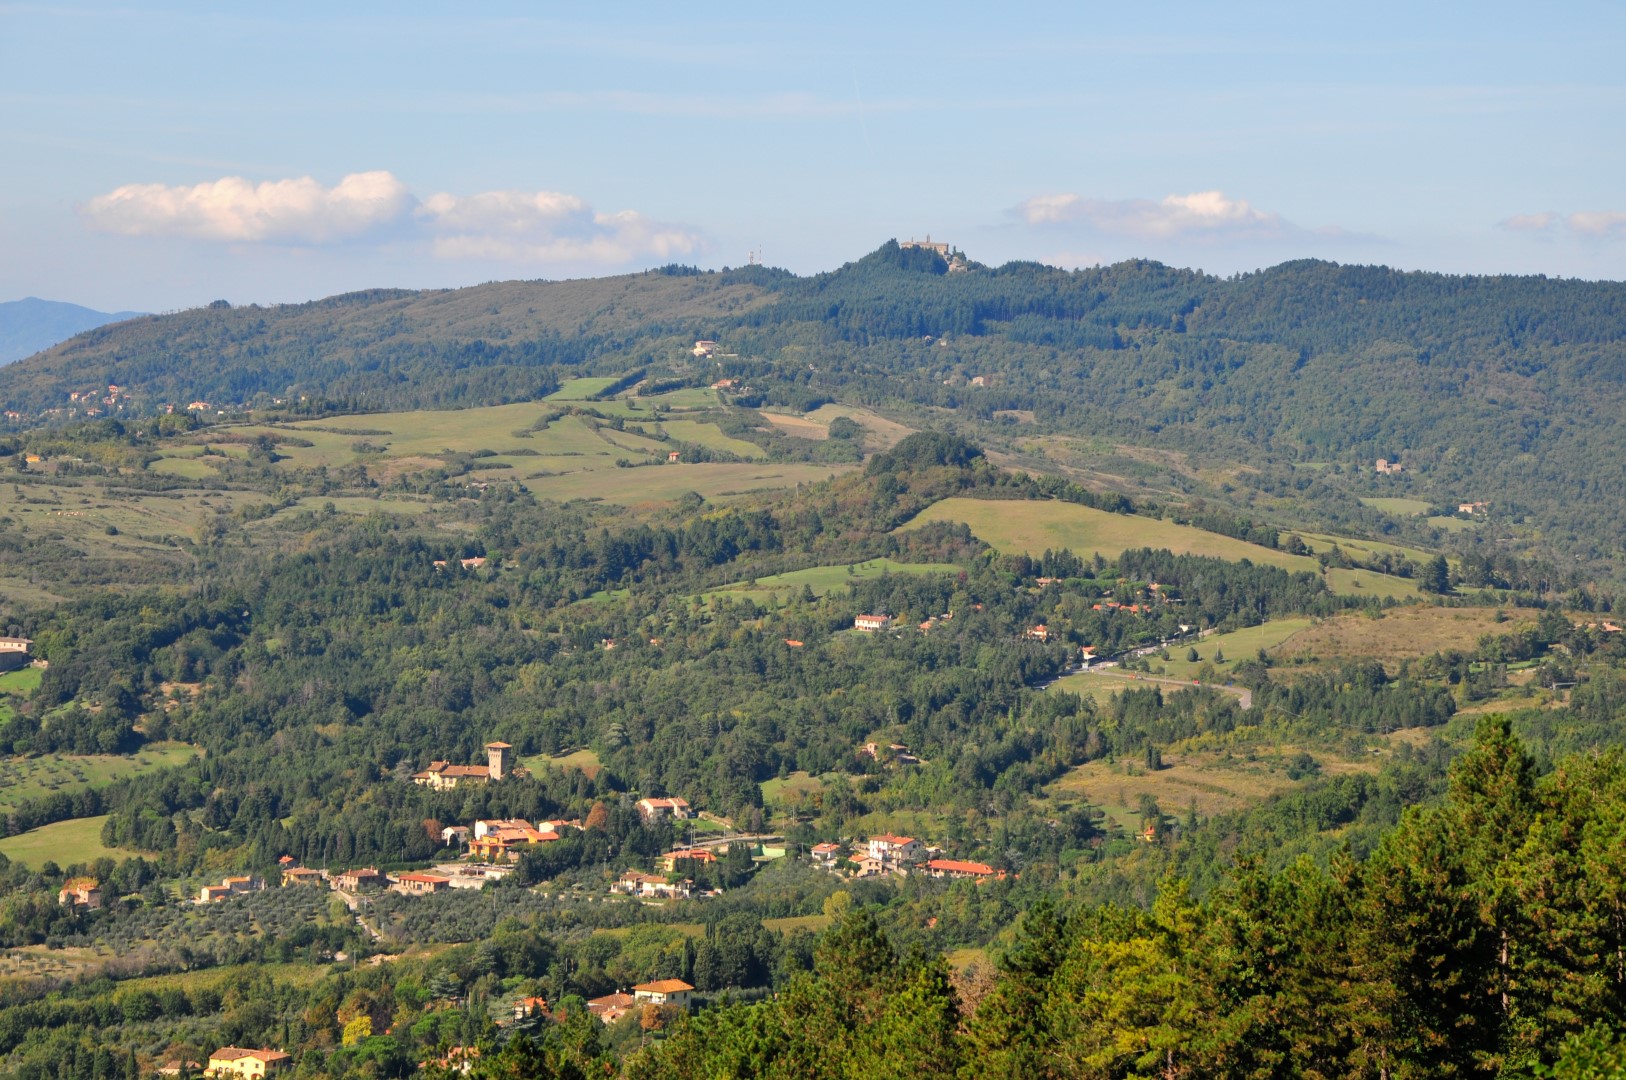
(444, 776)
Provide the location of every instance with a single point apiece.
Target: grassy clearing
(585, 760)
(1214, 782)
(1367, 583)
(824, 580)
(1453, 524)
(711, 437)
(797, 425)
(1033, 527)
(663, 483)
(785, 925)
(581, 389)
(1238, 645)
(1363, 549)
(64, 843)
(879, 432)
(1399, 634)
(790, 790)
(22, 681)
(1091, 684)
(29, 778)
(1398, 507)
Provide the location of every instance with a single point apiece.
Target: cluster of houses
(890, 754)
(1389, 468)
(236, 885)
(900, 855)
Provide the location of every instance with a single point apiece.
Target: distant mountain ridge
(1503, 389)
(32, 325)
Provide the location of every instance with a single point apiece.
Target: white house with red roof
(888, 848)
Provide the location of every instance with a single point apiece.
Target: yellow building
(235, 1061)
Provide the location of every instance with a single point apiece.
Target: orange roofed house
(235, 1061)
(656, 809)
(954, 868)
(663, 992)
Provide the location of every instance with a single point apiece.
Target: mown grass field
(1398, 507)
(1367, 583)
(22, 681)
(1363, 549)
(824, 580)
(64, 843)
(29, 778)
(1213, 781)
(1033, 527)
(1399, 634)
(711, 437)
(1091, 684)
(585, 760)
(662, 483)
(1238, 645)
(791, 789)
(581, 389)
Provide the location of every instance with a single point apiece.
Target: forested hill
(1504, 388)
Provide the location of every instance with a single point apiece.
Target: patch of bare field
(1398, 634)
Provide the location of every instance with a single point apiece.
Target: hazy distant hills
(29, 325)
(1511, 389)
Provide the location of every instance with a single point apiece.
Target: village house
(652, 810)
(530, 1008)
(472, 875)
(673, 457)
(953, 868)
(704, 349)
(895, 849)
(301, 875)
(358, 880)
(611, 1007)
(866, 866)
(473, 563)
(444, 776)
(871, 624)
(506, 842)
(652, 886)
(458, 1059)
(826, 855)
(454, 835)
(420, 884)
(235, 1061)
(1472, 507)
(1388, 468)
(231, 886)
(80, 892)
(669, 862)
(663, 992)
(1041, 632)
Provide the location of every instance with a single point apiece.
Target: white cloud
(508, 226)
(1201, 213)
(1599, 222)
(546, 226)
(1531, 222)
(1595, 223)
(298, 211)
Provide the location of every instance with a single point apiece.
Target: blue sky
(165, 155)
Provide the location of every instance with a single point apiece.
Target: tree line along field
(77, 840)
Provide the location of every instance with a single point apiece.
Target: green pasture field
(1241, 644)
(639, 407)
(1093, 685)
(30, 778)
(1453, 524)
(22, 681)
(660, 483)
(711, 437)
(1398, 507)
(826, 579)
(581, 389)
(1363, 549)
(1369, 583)
(1399, 634)
(65, 843)
(793, 788)
(786, 924)
(1034, 526)
(585, 760)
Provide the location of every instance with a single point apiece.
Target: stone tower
(497, 758)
